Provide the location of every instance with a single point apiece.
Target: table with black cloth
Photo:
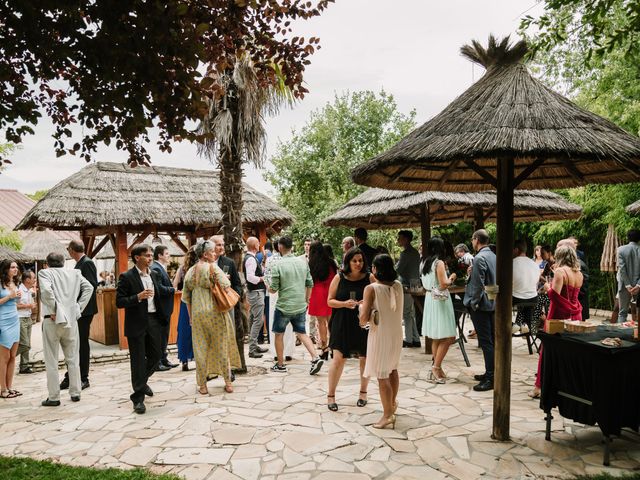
(590, 382)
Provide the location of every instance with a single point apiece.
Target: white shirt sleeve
(251, 266)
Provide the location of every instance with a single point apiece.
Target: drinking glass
(352, 295)
(225, 269)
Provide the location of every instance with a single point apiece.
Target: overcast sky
(408, 47)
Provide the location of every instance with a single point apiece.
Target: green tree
(311, 170)
(120, 68)
(10, 239)
(37, 196)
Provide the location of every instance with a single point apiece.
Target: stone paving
(276, 427)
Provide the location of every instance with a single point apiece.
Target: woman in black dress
(346, 338)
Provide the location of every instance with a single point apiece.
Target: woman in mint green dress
(438, 321)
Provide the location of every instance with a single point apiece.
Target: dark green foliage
(27, 469)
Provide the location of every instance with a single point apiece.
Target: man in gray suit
(482, 309)
(628, 272)
(64, 295)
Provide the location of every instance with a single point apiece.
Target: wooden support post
(191, 239)
(478, 218)
(503, 314)
(88, 241)
(122, 262)
(425, 235)
(262, 235)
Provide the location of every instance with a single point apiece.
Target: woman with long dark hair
(323, 269)
(384, 343)
(9, 326)
(438, 320)
(185, 343)
(347, 339)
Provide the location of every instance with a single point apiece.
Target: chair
(531, 336)
(460, 312)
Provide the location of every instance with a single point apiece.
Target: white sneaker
(524, 329)
(515, 329)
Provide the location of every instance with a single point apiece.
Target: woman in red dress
(323, 269)
(563, 295)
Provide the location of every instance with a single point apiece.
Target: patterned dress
(213, 333)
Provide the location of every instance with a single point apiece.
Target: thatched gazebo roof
(7, 253)
(380, 208)
(40, 243)
(634, 208)
(104, 195)
(506, 114)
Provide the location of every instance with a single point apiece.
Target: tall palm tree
(235, 134)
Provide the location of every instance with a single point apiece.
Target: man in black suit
(161, 258)
(229, 267)
(139, 294)
(360, 234)
(88, 270)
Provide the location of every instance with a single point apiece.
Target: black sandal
(332, 406)
(325, 354)
(361, 402)
(10, 394)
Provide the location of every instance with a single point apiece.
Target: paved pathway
(276, 427)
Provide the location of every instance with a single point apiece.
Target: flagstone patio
(276, 427)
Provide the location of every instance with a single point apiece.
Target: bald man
(255, 296)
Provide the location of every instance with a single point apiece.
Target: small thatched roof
(40, 243)
(7, 253)
(506, 114)
(114, 194)
(380, 208)
(634, 208)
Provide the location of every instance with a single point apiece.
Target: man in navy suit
(139, 294)
(482, 309)
(161, 258)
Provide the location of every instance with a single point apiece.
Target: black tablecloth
(579, 365)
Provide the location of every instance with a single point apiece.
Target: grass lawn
(26, 469)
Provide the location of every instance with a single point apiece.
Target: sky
(409, 48)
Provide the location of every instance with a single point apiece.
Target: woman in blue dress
(438, 322)
(185, 344)
(9, 326)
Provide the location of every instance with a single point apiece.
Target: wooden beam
(178, 242)
(488, 178)
(139, 238)
(445, 176)
(121, 251)
(524, 174)
(472, 181)
(399, 172)
(101, 244)
(262, 235)
(488, 213)
(503, 314)
(572, 170)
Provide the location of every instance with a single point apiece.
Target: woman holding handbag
(213, 334)
(438, 320)
(381, 311)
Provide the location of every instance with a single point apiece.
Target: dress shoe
(76, 398)
(64, 384)
(147, 391)
(139, 408)
(480, 378)
(26, 370)
(406, 344)
(255, 355)
(416, 344)
(50, 403)
(185, 367)
(167, 363)
(262, 350)
(85, 384)
(162, 368)
(485, 385)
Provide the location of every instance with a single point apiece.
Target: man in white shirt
(26, 306)
(64, 295)
(255, 296)
(526, 275)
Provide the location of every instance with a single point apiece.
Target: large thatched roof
(506, 114)
(380, 208)
(7, 253)
(111, 194)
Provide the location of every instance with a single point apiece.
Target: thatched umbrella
(7, 253)
(379, 208)
(506, 131)
(634, 208)
(40, 243)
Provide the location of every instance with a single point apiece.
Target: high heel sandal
(535, 393)
(433, 378)
(385, 423)
(361, 402)
(332, 406)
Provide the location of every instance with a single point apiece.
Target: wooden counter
(104, 326)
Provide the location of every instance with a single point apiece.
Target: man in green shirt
(291, 280)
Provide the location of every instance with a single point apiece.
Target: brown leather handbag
(224, 298)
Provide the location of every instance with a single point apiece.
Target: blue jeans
(483, 322)
(280, 321)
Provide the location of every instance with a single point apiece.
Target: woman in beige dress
(213, 333)
(384, 344)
